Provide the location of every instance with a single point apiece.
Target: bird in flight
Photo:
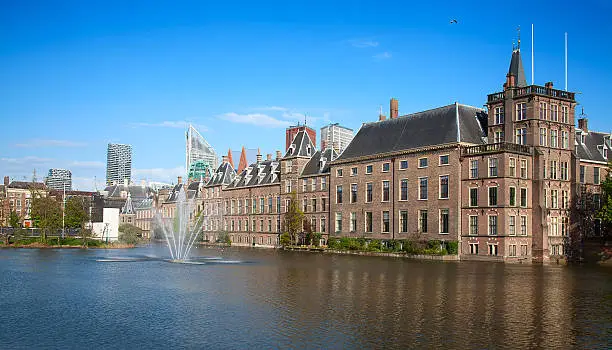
(453, 21)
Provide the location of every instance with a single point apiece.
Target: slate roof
(301, 146)
(263, 173)
(593, 144)
(319, 163)
(174, 194)
(224, 174)
(26, 185)
(516, 68)
(137, 192)
(145, 204)
(443, 125)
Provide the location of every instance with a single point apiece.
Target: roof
(516, 68)
(136, 191)
(301, 146)
(145, 204)
(223, 175)
(444, 125)
(592, 146)
(26, 185)
(319, 163)
(257, 174)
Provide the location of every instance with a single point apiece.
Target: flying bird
(453, 21)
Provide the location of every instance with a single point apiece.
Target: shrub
(452, 247)
(285, 239)
(374, 245)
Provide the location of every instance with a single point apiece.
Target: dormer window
(291, 148)
(308, 150)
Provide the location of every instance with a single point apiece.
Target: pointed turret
(516, 73)
(128, 207)
(243, 161)
(230, 159)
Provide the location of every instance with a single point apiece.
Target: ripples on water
(240, 298)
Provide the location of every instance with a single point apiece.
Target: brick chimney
(258, 156)
(279, 155)
(6, 181)
(549, 85)
(583, 125)
(381, 117)
(269, 156)
(393, 109)
(179, 179)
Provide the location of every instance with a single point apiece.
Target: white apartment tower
(196, 148)
(335, 136)
(118, 163)
(59, 179)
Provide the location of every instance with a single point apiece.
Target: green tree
(605, 213)
(13, 219)
(293, 219)
(285, 240)
(76, 212)
(129, 234)
(46, 213)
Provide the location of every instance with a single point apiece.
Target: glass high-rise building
(200, 151)
(59, 179)
(118, 163)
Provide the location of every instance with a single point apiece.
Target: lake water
(259, 298)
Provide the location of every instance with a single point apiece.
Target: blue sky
(76, 75)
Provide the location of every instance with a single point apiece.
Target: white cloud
(27, 160)
(258, 119)
(87, 164)
(363, 43)
(170, 124)
(168, 175)
(272, 108)
(92, 183)
(35, 143)
(383, 55)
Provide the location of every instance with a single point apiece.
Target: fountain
(180, 235)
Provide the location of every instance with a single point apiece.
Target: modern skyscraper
(118, 163)
(59, 179)
(336, 137)
(198, 150)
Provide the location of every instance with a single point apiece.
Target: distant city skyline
(79, 76)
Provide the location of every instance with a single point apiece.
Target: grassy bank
(68, 242)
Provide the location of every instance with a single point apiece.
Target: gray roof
(137, 192)
(301, 146)
(145, 204)
(26, 185)
(174, 195)
(224, 174)
(319, 163)
(257, 174)
(593, 145)
(443, 125)
(516, 68)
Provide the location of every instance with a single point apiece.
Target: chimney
(258, 156)
(6, 181)
(381, 117)
(583, 125)
(393, 109)
(278, 155)
(179, 179)
(269, 156)
(510, 79)
(549, 85)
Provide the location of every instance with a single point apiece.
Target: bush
(285, 240)
(452, 247)
(374, 245)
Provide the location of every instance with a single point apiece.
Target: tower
(118, 163)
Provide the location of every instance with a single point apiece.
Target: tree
(293, 219)
(76, 213)
(129, 234)
(46, 213)
(13, 219)
(605, 213)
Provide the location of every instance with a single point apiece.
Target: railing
(497, 147)
(532, 90)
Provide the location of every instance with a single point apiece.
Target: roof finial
(518, 47)
(305, 118)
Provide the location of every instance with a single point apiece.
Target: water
(256, 298)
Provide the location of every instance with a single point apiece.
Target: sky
(76, 75)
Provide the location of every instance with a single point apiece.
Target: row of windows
(493, 225)
(246, 239)
(243, 225)
(544, 113)
(493, 197)
(492, 249)
(556, 170)
(314, 204)
(422, 190)
(551, 137)
(322, 184)
(551, 199)
(596, 175)
(266, 205)
(493, 168)
(403, 165)
(443, 222)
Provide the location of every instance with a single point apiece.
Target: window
(523, 197)
(564, 226)
(473, 225)
(354, 171)
(278, 204)
(473, 197)
(473, 168)
(368, 192)
(323, 227)
(492, 196)
(443, 220)
(564, 200)
(521, 136)
(338, 222)
(512, 250)
(339, 194)
(499, 115)
(288, 185)
(444, 160)
(269, 225)
(304, 185)
(498, 136)
(512, 196)
(523, 249)
(423, 188)
(564, 139)
(368, 169)
(596, 175)
(385, 191)
(521, 111)
(474, 248)
(444, 187)
(305, 205)
(554, 228)
(404, 190)
(353, 193)
(512, 166)
(492, 167)
(553, 139)
(554, 112)
(403, 224)
(523, 225)
(582, 174)
(524, 168)
(270, 206)
(542, 136)
(422, 162)
(493, 225)
(554, 199)
(423, 221)
(553, 169)
(543, 111)
(564, 114)
(403, 164)
(385, 222)
(564, 172)
(386, 167)
(338, 172)
(289, 165)
(492, 249)
(512, 225)
(323, 183)
(368, 221)
(314, 204)
(313, 184)
(353, 224)
(323, 204)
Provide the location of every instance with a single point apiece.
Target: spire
(516, 73)
(230, 159)
(128, 208)
(243, 160)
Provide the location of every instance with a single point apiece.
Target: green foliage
(224, 238)
(13, 219)
(605, 213)
(452, 247)
(285, 239)
(374, 245)
(46, 213)
(433, 247)
(293, 219)
(129, 234)
(316, 238)
(76, 212)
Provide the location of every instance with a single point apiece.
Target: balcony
(496, 148)
(531, 90)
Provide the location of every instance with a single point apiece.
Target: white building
(59, 179)
(108, 229)
(198, 149)
(118, 163)
(335, 136)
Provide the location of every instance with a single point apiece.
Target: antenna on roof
(519, 38)
(305, 114)
(565, 61)
(532, 60)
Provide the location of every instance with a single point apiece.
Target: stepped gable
(319, 163)
(443, 125)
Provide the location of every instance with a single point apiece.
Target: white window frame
(419, 163)
(440, 160)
